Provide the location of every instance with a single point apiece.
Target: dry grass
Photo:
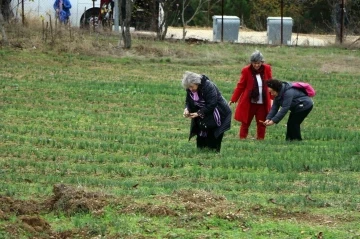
(43, 36)
(49, 35)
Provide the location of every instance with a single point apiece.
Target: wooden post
(222, 20)
(282, 22)
(22, 13)
(342, 8)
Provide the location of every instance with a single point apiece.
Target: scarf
(254, 96)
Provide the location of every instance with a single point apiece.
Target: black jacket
(209, 92)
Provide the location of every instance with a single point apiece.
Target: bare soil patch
(70, 200)
(66, 199)
(183, 205)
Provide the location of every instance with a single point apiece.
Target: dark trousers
(293, 125)
(209, 142)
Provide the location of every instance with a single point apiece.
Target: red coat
(243, 89)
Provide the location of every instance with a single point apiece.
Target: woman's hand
(230, 102)
(193, 115)
(269, 122)
(186, 113)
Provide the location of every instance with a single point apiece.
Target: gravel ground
(253, 37)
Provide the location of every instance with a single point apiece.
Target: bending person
(289, 99)
(208, 110)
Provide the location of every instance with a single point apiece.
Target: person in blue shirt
(62, 8)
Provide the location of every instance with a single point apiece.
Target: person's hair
(190, 78)
(256, 57)
(274, 84)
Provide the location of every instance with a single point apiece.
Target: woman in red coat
(252, 95)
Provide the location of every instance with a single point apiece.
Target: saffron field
(95, 146)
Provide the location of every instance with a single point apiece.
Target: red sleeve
(240, 86)
(270, 73)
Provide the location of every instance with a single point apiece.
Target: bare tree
(4, 11)
(2, 29)
(127, 36)
(168, 15)
(125, 22)
(120, 14)
(184, 5)
(338, 14)
(352, 17)
(5, 8)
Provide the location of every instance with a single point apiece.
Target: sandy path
(254, 37)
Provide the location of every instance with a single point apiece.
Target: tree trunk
(336, 15)
(184, 32)
(162, 20)
(184, 6)
(6, 9)
(121, 23)
(2, 29)
(127, 35)
(166, 9)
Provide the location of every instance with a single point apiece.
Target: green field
(96, 147)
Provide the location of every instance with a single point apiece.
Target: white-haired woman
(208, 110)
(252, 96)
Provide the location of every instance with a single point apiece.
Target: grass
(112, 125)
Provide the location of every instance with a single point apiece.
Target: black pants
(293, 125)
(209, 142)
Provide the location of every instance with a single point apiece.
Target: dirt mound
(18, 207)
(66, 199)
(199, 197)
(70, 200)
(34, 223)
(208, 203)
(27, 217)
(198, 203)
(150, 209)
